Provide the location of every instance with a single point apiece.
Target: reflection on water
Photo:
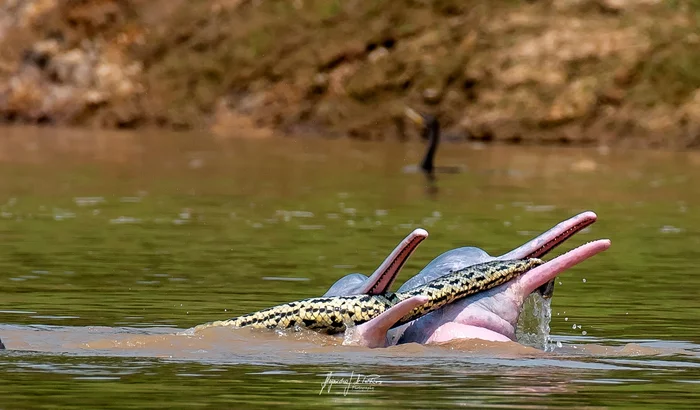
(113, 242)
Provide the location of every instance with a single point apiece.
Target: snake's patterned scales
(332, 314)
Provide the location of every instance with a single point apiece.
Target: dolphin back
(347, 285)
(445, 264)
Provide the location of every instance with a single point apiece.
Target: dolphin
(493, 314)
(490, 315)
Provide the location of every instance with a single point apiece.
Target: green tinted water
(102, 234)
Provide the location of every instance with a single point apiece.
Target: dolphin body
(490, 315)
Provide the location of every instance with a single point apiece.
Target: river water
(113, 242)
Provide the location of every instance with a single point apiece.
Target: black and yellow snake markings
(333, 314)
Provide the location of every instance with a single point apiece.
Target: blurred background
(583, 72)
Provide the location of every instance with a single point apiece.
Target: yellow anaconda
(332, 314)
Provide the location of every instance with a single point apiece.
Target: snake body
(333, 314)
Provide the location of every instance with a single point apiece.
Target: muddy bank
(585, 72)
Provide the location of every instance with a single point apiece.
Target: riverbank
(585, 72)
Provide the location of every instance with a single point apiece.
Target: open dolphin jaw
(395, 262)
(578, 223)
(384, 276)
(544, 249)
(566, 230)
(571, 258)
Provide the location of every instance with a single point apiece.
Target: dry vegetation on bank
(560, 71)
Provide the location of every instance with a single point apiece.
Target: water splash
(533, 325)
(351, 336)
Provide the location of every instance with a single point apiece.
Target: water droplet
(574, 326)
(584, 280)
(559, 343)
(566, 319)
(584, 333)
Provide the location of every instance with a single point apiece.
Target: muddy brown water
(112, 243)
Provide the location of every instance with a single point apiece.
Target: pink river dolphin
(491, 315)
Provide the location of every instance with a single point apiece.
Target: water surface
(113, 242)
